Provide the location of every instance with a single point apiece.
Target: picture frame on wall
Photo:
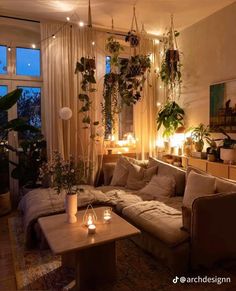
(223, 106)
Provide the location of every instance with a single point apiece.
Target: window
(3, 90)
(3, 114)
(3, 59)
(125, 116)
(28, 62)
(28, 106)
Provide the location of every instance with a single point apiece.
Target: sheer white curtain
(145, 111)
(62, 87)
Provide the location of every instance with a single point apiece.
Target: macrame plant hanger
(134, 29)
(173, 59)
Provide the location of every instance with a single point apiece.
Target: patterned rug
(136, 270)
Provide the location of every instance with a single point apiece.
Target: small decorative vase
(71, 207)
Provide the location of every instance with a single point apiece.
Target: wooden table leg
(95, 265)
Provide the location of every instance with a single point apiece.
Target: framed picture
(223, 106)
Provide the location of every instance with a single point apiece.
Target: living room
(117, 145)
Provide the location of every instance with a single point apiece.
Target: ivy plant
(86, 67)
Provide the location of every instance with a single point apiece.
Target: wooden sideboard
(214, 168)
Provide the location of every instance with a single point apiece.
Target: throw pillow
(138, 177)
(120, 174)
(121, 171)
(197, 185)
(158, 188)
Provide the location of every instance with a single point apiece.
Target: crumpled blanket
(45, 201)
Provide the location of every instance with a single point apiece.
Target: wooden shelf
(214, 168)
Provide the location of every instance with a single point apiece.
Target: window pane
(108, 64)
(29, 106)
(3, 59)
(28, 62)
(3, 114)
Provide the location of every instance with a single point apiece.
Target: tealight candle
(91, 229)
(107, 218)
(107, 215)
(90, 220)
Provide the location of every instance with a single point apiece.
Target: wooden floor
(7, 274)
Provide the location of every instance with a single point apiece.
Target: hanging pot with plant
(170, 72)
(170, 117)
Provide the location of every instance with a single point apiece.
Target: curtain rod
(18, 18)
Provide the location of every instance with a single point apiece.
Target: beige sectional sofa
(211, 235)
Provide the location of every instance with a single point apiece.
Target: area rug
(136, 270)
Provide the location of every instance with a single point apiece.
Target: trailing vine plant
(124, 84)
(86, 67)
(170, 71)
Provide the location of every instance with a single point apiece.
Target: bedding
(45, 201)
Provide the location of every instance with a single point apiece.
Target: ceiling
(154, 14)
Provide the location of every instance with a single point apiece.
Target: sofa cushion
(120, 173)
(197, 185)
(165, 169)
(225, 185)
(121, 170)
(158, 188)
(138, 177)
(108, 170)
(158, 219)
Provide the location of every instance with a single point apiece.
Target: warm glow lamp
(65, 113)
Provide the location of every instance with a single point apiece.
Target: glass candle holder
(107, 214)
(91, 229)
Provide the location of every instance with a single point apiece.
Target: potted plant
(32, 155)
(5, 203)
(18, 125)
(65, 175)
(170, 117)
(132, 38)
(170, 71)
(199, 134)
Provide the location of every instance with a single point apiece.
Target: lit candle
(90, 220)
(107, 215)
(91, 229)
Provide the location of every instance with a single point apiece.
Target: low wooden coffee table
(93, 255)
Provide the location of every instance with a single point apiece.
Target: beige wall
(209, 48)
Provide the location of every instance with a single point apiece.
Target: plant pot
(71, 207)
(227, 155)
(5, 203)
(199, 145)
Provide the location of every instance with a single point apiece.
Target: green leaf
(10, 99)
(83, 97)
(20, 125)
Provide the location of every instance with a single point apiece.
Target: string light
(81, 24)
(33, 46)
(53, 36)
(157, 41)
(93, 42)
(68, 18)
(9, 48)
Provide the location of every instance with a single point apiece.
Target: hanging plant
(170, 72)
(86, 67)
(132, 78)
(114, 48)
(111, 104)
(170, 117)
(132, 38)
